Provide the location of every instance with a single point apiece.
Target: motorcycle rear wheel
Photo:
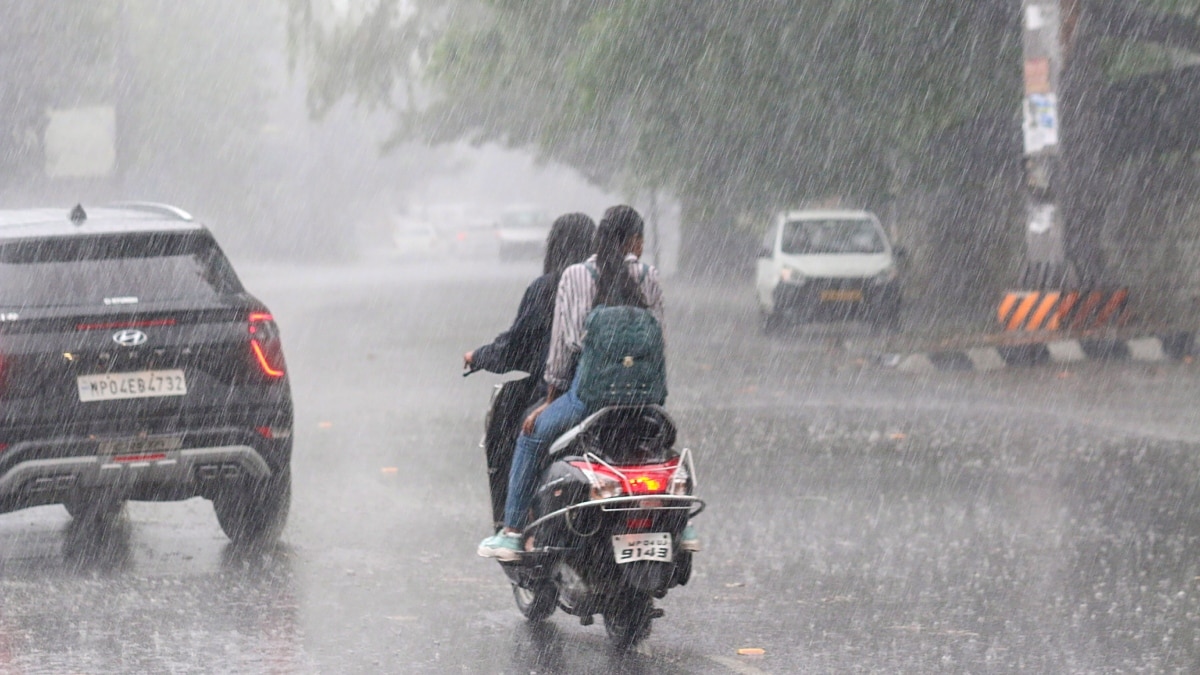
(627, 620)
(537, 604)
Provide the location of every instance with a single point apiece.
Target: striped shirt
(573, 303)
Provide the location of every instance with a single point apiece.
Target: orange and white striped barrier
(1062, 310)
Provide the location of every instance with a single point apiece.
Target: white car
(834, 264)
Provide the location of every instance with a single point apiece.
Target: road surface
(860, 519)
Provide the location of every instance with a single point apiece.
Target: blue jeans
(565, 412)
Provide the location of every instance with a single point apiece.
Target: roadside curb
(1150, 349)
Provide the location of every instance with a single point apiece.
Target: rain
(929, 301)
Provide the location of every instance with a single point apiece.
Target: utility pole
(1050, 297)
(1047, 27)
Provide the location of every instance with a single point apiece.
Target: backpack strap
(645, 272)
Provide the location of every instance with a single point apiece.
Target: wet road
(861, 520)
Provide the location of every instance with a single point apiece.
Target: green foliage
(49, 54)
(737, 108)
(1123, 60)
(186, 80)
(751, 103)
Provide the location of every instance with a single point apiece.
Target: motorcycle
(613, 498)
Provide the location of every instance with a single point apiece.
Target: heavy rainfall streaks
(919, 276)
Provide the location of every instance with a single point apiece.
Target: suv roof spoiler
(154, 207)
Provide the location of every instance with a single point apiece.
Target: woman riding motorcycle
(524, 347)
(616, 277)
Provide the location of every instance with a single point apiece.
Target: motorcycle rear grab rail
(685, 503)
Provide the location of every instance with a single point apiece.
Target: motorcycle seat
(620, 434)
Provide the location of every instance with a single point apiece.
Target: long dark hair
(615, 286)
(569, 242)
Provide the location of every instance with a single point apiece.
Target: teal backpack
(623, 360)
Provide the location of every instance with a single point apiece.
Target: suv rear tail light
(272, 433)
(265, 346)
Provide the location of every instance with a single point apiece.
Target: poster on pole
(1037, 76)
(1041, 218)
(1041, 122)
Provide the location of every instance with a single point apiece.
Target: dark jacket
(525, 345)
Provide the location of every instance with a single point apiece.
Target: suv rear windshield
(813, 237)
(113, 270)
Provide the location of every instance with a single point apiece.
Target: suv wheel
(257, 510)
(772, 323)
(94, 510)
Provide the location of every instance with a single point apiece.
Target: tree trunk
(1083, 197)
(711, 247)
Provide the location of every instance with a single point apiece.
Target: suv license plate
(141, 384)
(654, 546)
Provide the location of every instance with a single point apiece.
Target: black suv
(133, 365)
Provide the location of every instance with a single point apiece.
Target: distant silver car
(415, 239)
(521, 232)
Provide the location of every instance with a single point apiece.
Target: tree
(735, 107)
(740, 108)
(48, 55)
(1128, 108)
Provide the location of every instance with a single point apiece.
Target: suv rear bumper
(34, 473)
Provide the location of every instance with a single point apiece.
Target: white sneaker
(502, 546)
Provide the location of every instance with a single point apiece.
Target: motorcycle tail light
(606, 487)
(646, 484)
(678, 485)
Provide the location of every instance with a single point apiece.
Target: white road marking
(986, 359)
(1066, 351)
(1146, 349)
(916, 363)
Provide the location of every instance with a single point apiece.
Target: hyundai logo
(129, 337)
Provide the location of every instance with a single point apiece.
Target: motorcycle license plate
(654, 546)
